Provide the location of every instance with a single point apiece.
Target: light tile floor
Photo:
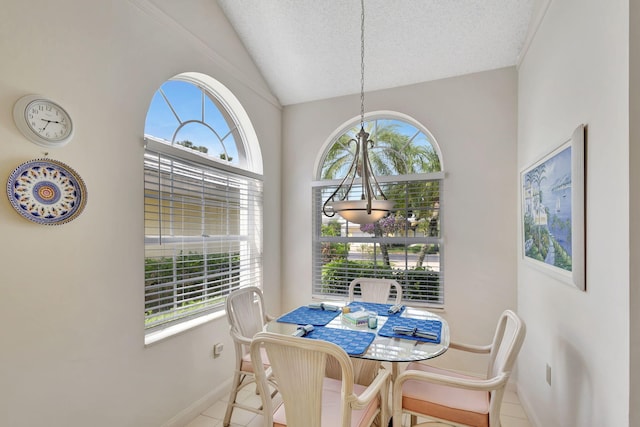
(512, 414)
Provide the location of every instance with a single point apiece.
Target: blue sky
(186, 100)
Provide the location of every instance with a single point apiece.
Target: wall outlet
(548, 374)
(217, 349)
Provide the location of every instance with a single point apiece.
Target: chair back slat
(375, 290)
(245, 311)
(506, 345)
(298, 365)
(300, 374)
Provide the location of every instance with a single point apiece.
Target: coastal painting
(553, 211)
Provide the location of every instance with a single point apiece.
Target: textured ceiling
(310, 49)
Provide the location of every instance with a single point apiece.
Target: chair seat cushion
(246, 361)
(463, 406)
(331, 403)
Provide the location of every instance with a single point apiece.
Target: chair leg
(237, 379)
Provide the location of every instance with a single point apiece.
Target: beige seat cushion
(331, 402)
(468, 407)
(246, 361)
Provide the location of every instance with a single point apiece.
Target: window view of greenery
(404, 246)
(199, 219)
(197, 290)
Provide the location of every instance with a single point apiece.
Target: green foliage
(537, 239)
(189, 144)
(418, 284)
(333, 251)
(393, 153)
(337, 274)
(332, 228)
(561, 258)
(190, 281)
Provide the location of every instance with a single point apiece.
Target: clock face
(42, 121)
(48, 120)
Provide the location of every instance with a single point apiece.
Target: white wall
(634, 212)
(576, 71)
(473, 118)
(72, 341)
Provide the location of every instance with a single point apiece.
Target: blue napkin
(413, 329)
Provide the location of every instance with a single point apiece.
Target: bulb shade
(355, 211)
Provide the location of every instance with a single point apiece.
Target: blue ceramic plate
(46, 192)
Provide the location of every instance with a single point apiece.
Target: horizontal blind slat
(408, 248)
(202, 237)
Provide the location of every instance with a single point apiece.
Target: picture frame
(553, 216)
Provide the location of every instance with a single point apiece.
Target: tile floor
(512, 414)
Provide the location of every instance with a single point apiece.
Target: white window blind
(406, 246)
(203, 233)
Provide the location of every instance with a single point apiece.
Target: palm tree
(394, 153)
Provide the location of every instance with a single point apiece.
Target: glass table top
(386, 349)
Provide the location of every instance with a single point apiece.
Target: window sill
(159, 335)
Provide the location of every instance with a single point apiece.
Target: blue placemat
(353, 342)
(381, 309)
(433, 326)
(308, 316)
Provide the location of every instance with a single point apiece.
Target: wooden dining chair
(375, 290)
(309, 398)
(447, 395)
(246, 316)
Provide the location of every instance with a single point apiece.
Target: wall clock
(43, 121)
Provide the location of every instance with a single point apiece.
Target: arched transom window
(202, 198)
(407, 244)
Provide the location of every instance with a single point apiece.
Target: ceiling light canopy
(373, 204)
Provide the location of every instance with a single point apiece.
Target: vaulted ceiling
(310, 49)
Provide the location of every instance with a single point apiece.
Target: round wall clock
(43, 121)
(46, 192)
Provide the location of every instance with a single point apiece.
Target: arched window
(202, 199)
(407, 244)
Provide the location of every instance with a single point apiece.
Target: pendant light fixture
(373, 204)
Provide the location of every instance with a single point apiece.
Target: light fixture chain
(362, 64)
(360, 211)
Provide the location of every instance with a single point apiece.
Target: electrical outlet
(217, 349)
(548, 374)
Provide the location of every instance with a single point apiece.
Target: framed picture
(553, 212)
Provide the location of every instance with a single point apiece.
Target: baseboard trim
(527, 408)
(185, 416)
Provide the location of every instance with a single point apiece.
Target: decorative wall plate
(46, 192)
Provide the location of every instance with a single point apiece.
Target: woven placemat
(431, 326)
(308, 316)
(353, 342)
(381, 309)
